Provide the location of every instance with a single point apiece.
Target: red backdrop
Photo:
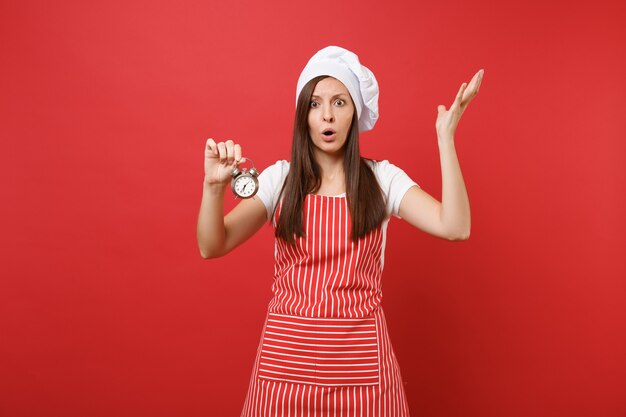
(106, 307)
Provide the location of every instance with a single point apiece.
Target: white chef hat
(344, 65)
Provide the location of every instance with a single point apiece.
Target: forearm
(211, 234)
(455, 208)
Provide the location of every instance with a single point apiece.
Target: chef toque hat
(344, 65)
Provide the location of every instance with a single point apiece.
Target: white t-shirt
(393, 181)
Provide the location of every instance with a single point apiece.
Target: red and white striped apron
(325, 349)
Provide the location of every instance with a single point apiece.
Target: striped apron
(325, 349)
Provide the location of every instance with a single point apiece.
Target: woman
(325, 346)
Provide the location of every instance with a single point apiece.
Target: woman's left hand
(448, 120)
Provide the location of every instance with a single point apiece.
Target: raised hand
(448, 120)
(219, 160)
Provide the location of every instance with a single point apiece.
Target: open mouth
(328, 132)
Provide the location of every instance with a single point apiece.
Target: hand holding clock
(219, 161)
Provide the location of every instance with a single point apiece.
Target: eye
(340, 102)
(314, 104)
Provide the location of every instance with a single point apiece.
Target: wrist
(213, 187)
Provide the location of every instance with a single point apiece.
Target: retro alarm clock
(245, 183)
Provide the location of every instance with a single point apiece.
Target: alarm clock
(245, 183)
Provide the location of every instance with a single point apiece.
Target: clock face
(245, 186)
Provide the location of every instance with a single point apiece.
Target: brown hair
(364, 196)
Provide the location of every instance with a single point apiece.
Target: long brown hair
(365, 198)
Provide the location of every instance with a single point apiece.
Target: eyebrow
(336, 95)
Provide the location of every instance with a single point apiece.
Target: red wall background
(107, 308)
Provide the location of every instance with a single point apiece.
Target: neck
(331, 166)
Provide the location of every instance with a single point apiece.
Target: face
(330, 111)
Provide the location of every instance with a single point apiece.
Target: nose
(328, 115)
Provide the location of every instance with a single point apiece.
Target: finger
(221, 147)
(230, 151)
(459, 97)
(211, 146)
(238, 153)
(473, 86)
(441, 108)
(472, 89)
(480, 79)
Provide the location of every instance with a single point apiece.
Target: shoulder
(393, 181)
(277, 169)
(275, 173)
(384, 170)
(270, 183)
